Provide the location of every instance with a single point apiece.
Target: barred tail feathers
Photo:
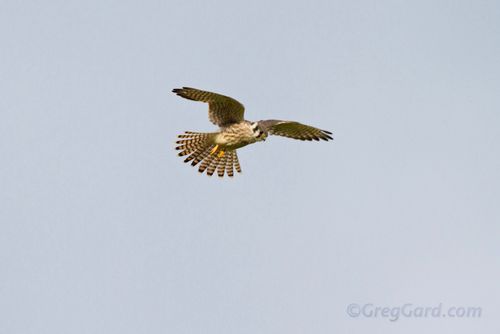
(192, 142)
(236, 162)
(199, 147)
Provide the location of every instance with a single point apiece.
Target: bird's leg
(214, 149)
(221, 154)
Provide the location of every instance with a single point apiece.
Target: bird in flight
(217, 150)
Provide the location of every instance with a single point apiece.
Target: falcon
(217, 150)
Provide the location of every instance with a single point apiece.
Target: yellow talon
(214, 149)
(221, 154)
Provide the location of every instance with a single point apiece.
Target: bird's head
(258, 132)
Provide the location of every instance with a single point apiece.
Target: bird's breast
(236, 136)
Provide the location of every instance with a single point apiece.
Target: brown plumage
(216, 151)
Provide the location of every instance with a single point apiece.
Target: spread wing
(222, 110)
(294, 130)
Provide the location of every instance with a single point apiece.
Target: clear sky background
(104, 229)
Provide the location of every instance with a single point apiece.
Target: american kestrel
(217, 150)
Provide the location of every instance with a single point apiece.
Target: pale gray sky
(104, 229)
